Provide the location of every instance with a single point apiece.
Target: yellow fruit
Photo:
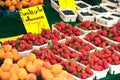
(22, 62)
(56, 68)
(5, 76)
(17, 57)
(1, 53)
(1, 71)
(19, 5)
(7, 48)
(14, 2)
(31, 57)
(47, 65)
(8, 61)
(38, 62)
(31, 76)
(1, 4)
(8, 55)
(22, 74)
(57, 78)
(13, 77)
(47, 75)
(14, 51)
(30, 67)
(6, 67)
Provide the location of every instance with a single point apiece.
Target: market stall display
(87, 50)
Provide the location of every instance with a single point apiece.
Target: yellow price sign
(34, 19)
(67, 4)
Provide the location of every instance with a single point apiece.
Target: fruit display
(48, 34)
(97, 40)
(20, 45)
(77, 70)
(47, 56)
(88, 25)
(63, 51)
(98, 9)
(68, 12)
(19, 4)
(115, 47)
(79, 45)
(67, 29)
(112, 33)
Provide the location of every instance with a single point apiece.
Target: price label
(34, 19)
(67, 4)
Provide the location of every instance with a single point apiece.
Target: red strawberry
(79, 68)
(88, 70)
(84, 75)
(71, 69)
(53, 61)
(117, 39)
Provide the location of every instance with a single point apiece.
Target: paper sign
(34, 19)
(67, 4)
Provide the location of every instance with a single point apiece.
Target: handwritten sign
(67, 4)
(34, 19)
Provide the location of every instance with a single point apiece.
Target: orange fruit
(8, 55)
(1, 53)
(1, 71)
(5, 76)
(14, 2)
(13, 71)
(24, 3)
(30, 67)
(8, 47)
(31, 76)
(47, 75)
(6, 67)
(19, 5)
(57, 78)
(47, 65)
(12, 8)
(56, 68)
(22, 62)
(17, 57)
(14, 50)
(1, 4)
(38, 62)
(13, 77)
(31, 57)
(41, 1)
(22, 74)
(8, 61)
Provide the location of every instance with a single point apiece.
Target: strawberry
(71, 69)
(117, 39)
(88, 70)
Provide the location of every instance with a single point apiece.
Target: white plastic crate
(84, 18)
(55, 5)
(25, 53)
(105, 22)
(67, 18)
(79, 8)
(114, 69)
(100, 74)
(38, 47)
(96, 12)
(105, 5)
(115, 13)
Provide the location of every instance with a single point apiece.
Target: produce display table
(11, 25)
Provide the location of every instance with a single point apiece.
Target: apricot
(8, 55)
(40, 1)
(22, 62)
(14, 50)
(1, 53)
(1, 71)
(13, 71)
(6, 67)
(17, 57)
(8, 61)
(22, 74)
(1, 3)
(47, 65)
(5, 76)
(25, 3)
(56, 68)
(8, 47)
(30, 67)
(38, 62)
(47, 75)
(14, 2)
(13, 77)
(12, 8)
(57, 78)
(31, 57)
(31, 76)
(19, 5)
